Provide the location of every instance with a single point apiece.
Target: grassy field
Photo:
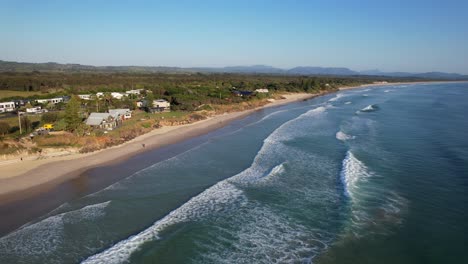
(7, 94)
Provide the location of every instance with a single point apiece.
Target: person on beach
(143, 145)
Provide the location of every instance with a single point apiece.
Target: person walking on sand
(143, 145)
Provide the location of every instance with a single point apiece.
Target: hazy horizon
(421, 36)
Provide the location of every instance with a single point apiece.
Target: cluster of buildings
(13, 105)
(115, 95)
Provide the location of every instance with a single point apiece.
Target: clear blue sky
(408, 35)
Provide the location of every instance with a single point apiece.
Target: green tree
(49, 117)
(26, 124)
(4, 128)
(72, 114)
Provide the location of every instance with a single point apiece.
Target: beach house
(55, 100)
(123, 114)
(85, 96)
(7, 107)
(35, 110)
(103, 121)
(261, 91)
(160, 105)
(118, 96)
(135, 92)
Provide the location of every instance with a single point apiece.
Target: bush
(4, 128)
(49, 117)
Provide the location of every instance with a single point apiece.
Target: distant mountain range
(8, 66)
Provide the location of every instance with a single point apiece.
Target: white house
(85, 96)
(50, 100)
(135, 92)
(161, 105)
(122, 113)
(35, 110)
(7, 107)
(118, 96)
(261, 91)
(99, 94)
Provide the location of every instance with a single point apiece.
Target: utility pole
(19, 122)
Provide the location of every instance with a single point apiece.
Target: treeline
(184, 91)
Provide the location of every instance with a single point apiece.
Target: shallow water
(362, 176)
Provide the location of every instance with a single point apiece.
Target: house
(160, 105)
(135, 92)
(141, 103)
(21, 102)
(242, 93)
(121, 113)
(261, 91)
(55, 100)
(35, 110)
(99, 94)
(7, 107)
(102, 121)
(118, 96)
(85, 96)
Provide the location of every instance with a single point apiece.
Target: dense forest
(185, 91)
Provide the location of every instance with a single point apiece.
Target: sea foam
(340, 135)
(45, 237)
(221, 196)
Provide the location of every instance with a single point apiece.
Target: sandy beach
(28, 177)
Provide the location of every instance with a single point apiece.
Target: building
(55, 100)
(261, 91)
(141, 103)
(118, 96)
(121, 113)
(7, 107)
(161, 105)
(103, 121)
(85, 96)
(21, 102)
(35, 110)
(242, 93)
(135, 92)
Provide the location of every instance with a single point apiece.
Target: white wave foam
(347, 102)
(352, 172)
(216, 198)
(340, 135)
(337, 96)
(263, 236)
(45, 237)
(369, 108)
(213, 199)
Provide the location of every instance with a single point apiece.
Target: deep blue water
(374, 175)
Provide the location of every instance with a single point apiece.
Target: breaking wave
(45, 237)
(353, 171)
(340, 135)
(370, 108)
(374, 208)
(221, 197)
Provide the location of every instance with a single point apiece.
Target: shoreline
(17, 182)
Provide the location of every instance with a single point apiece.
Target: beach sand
(29, 177)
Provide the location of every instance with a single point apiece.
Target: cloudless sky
(413, 36)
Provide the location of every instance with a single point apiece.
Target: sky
(412, 36)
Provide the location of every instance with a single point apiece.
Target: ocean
(371, 175)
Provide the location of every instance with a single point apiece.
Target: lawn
(7, 94)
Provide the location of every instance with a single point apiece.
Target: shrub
(49, 117)
(4, 128)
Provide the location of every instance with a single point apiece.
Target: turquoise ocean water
(373, 175)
